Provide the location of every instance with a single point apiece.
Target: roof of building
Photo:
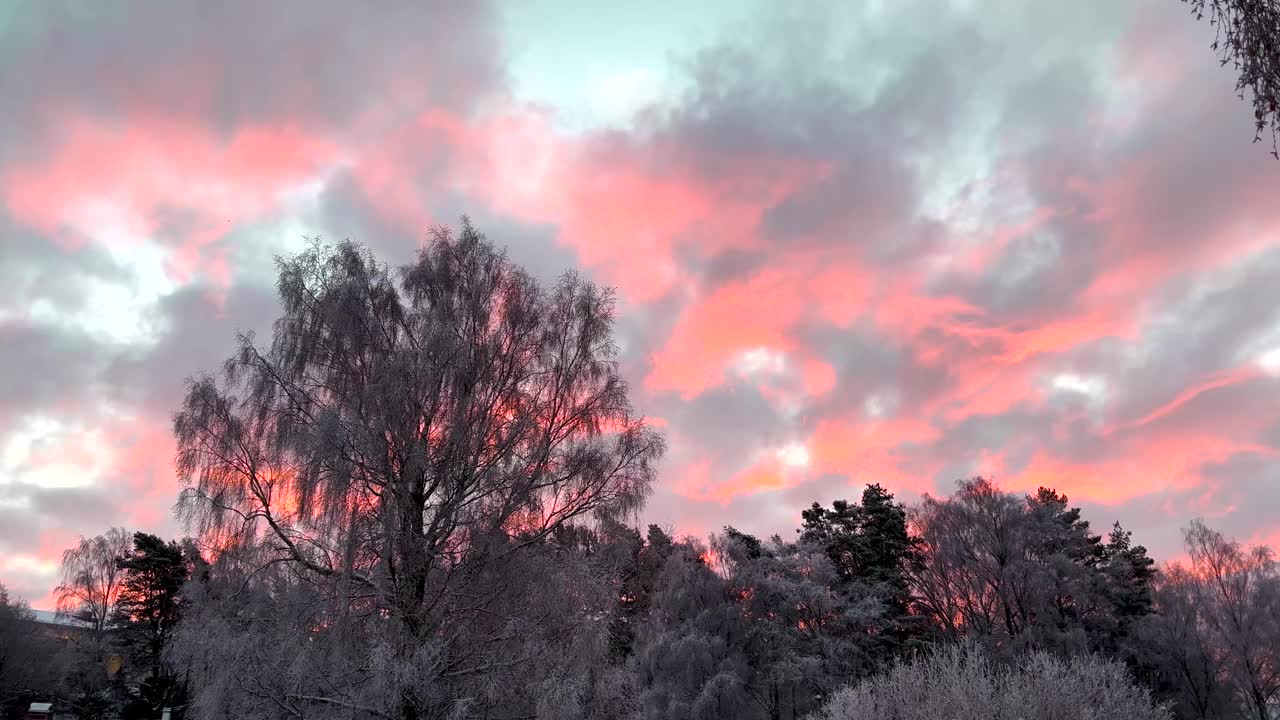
(48, 617)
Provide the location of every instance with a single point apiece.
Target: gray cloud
(43, 366)
(236, 65)
(199, 335)
(74, 507)
(1203, 325)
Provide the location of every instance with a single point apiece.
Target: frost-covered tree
(976, 573)
(1176, 653)
(391, 470)
(1240, 604)
(634, 564)
(752, 630)
(1025, 572)
(962, 681)
(690, 662)
(806, 632)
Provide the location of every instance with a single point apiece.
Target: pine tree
(1131, 573)
(870, 548)
(1061, 530)
(147, 612)
(836, 530)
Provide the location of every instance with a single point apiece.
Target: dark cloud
(74, 507)
(1237, 495)
(47, 359)
(31, 515)
(1247, 487)
(725, 424)
(1271, 435)
(1036, 277)
(22, 527)
(867, 362)
(44, 366)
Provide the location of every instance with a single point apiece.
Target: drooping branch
(1247, 35)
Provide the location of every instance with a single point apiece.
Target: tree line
(414, 503)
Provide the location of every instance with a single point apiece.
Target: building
(70, 630)
(52, 619)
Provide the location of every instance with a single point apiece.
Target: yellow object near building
(114, 663)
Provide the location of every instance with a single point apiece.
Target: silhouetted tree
(1128, 576)
(146, 614)
(1026, 572)
(871, 549)
(29, 656)
(1248, 37)
(1176, 654)
(1240, 596)
(838, 531)
(92, 578)
(402, 452)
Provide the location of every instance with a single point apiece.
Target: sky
(901, 242)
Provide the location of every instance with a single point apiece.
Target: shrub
(963, 683)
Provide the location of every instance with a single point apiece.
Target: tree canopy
(405, 446)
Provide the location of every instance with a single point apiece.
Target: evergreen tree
(146, 614)
(884, 542)
(887, 551)
(837, 531)
(870, 547)
(1059, 529)
(749, 544)
(1130, 573)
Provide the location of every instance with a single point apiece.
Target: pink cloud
(765, 475)
(115, 182)
(870, 450)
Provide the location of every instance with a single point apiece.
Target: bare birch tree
(398, 454)
(92, 578)
(1240, 592)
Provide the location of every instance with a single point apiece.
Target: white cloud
(1092, 387)
(880, 404)
(794, 455)
(760, 360)
(119, 310)
(1270, 360)
(616, 97)
(52, 453)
